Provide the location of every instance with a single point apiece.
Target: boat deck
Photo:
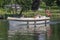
(29, 19)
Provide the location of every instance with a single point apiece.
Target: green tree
(58, 3)
(49, 3)
(4, 2)
(1, 3)
(26, 4)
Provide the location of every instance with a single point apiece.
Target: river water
(4, 26)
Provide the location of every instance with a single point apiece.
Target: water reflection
(55, 31)
(54, 36)
(54, 26)
(42, 37)
(23, 28)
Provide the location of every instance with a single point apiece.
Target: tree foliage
(26, 4)
(49, 2)
(30, 4)
(4, 2)
(1, 3)
(58, 2)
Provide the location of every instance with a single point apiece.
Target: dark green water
(4, 30)
(55, 32)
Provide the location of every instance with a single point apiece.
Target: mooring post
(27, 26)
(45, 22)
(34, 25)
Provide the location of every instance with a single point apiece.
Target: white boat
(21, 24)
(42, 19)
(21, 18)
